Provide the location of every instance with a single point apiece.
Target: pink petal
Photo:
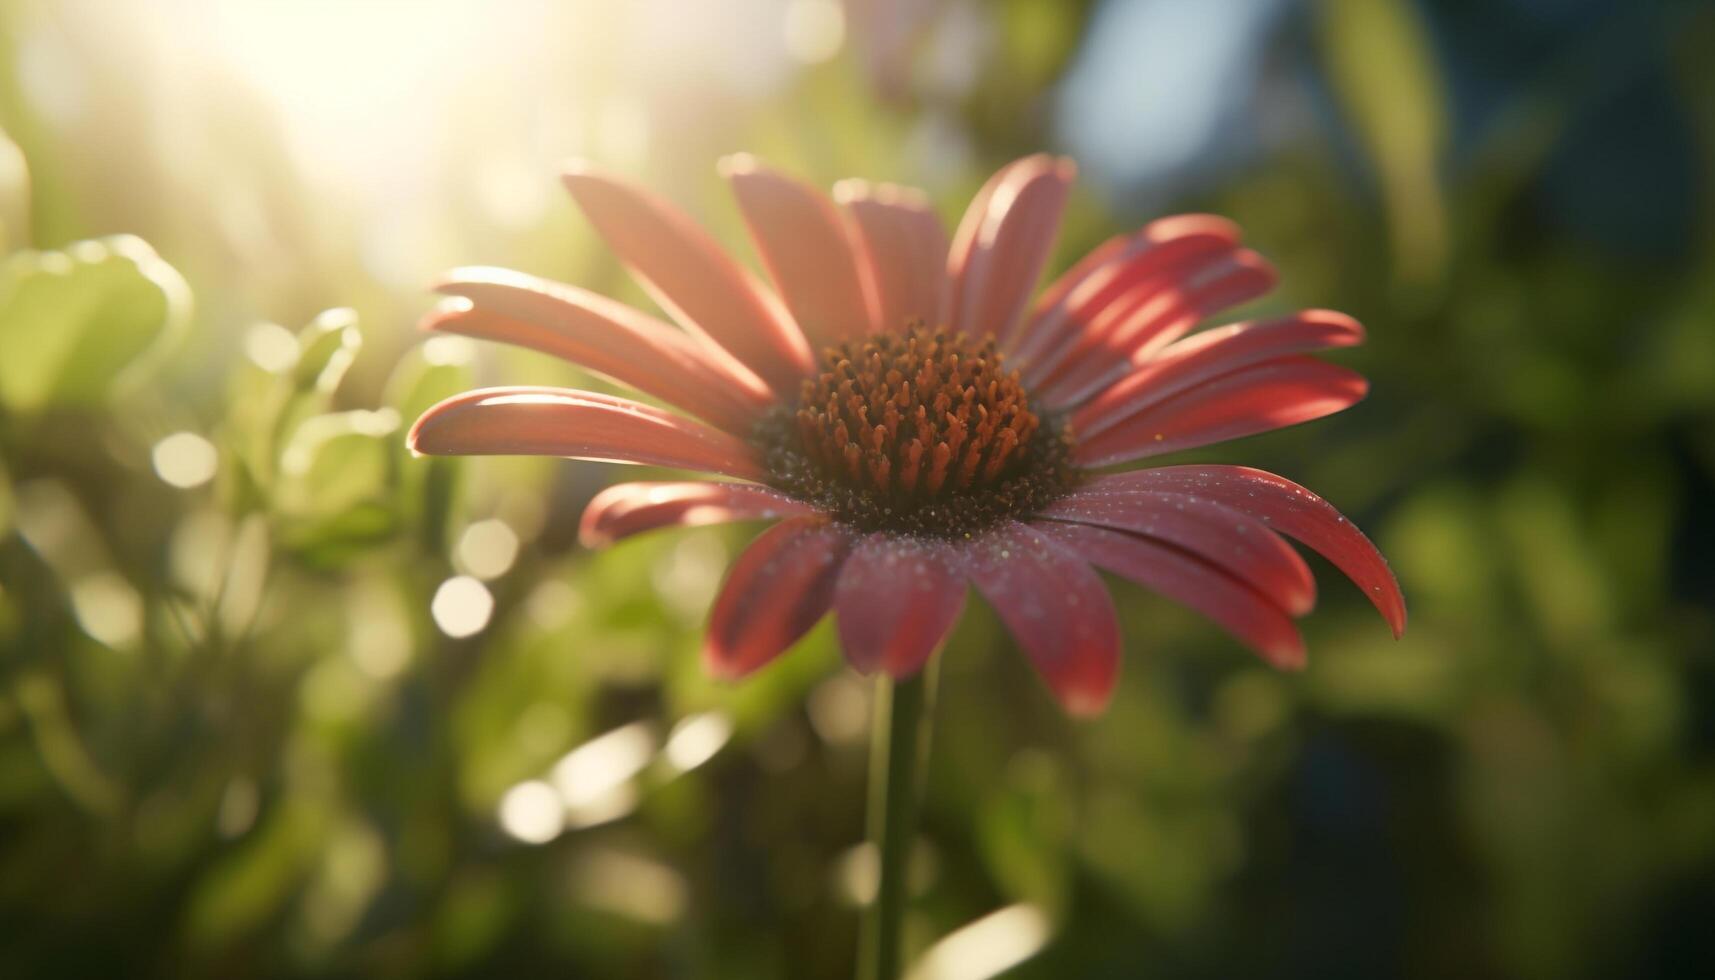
(808, 249)
(904, 249)
(1056, 607)
(603, 336)
(1231, 540)
(625, 509)
(697, 283)
(1228, 602)
(897, 599)
(1131, 295)
(1207, 355)
(1289, 509)
(578, 425)
(779, 587)
(1004, 242)
(1113, 268)
(1113, 346)
(1259, 398)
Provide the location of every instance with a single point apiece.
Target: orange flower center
(921, 432)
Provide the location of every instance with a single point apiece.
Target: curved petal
(1113, 268)
(1260, 398)
(776, 590)
(896, 600)
(577, 425)
(697, 283)
(904, 250)
(1231, 540)
(1004, 242)
(1205, 356)
(1151, 320)
(1289, 509)
(808, 249)
(604, 336)
(1231, 604)
(625, 509)
(1057, 608)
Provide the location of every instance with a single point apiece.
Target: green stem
(898, 746)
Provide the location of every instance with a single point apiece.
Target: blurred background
(278, 700)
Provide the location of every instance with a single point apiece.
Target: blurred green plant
(277, 699)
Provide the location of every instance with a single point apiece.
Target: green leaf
(14, 195)
(428, 375)
(82, 324)
(338, 473)
(329, 345)
(338, 460)
(239, 894)
(1383, 71)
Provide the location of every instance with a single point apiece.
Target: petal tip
(738, 165)
(1081, 703)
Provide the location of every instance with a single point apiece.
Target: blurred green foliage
(278, 699)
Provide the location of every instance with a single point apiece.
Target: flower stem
(899, 744)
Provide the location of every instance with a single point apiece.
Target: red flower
(913, 422)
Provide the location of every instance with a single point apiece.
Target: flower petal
(604, 336)
(1151, 318)
(578, 425)
(1289, 509)
(1231, 540)
(904, 249)
(1231, 604)
(625, 509)
(897, 599)
(1207, 355)
(1057, 608)
(1004, 242)
(1259, 398)
(1115, 267)
(776, 590)
(808, 249)
(697, 283)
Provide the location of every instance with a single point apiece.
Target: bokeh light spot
(185, 460)
(487, 549)
(532, 812)
(462, 606)
(107, 608)
(696, 739)
(271, 347)
(814, 30)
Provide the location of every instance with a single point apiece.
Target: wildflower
(913, 422)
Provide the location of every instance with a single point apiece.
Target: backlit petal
(1289, 509)
(897, 599)
(1231, 540)
(807, 247)
(1004, 242)
(698, 284)
(1229, 603)
(1115, 267)
(577, 425)
(1150, 319)
(776, 590)
(1204, 356)
(1058, 609)
(625, 509)
(904, 250)
(604, 336)
(1259, 398)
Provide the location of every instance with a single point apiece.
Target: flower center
(917, 433)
